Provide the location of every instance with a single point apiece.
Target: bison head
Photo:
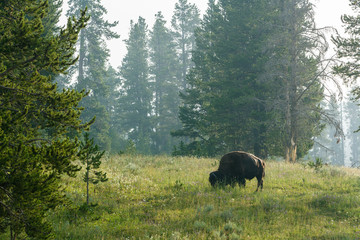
(216, 178)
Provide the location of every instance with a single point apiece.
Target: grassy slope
(170, 198)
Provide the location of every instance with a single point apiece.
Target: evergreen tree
(91, 68)
(113, 83)
(136, 96)
(326, 147)
(34, 116)
(223, 106)
(348, 51)
(296, 67)
(352, 112)
(166, 88)
(51, 20)
(51, 28)
(185, 20)
(256, 81)
(90, 156)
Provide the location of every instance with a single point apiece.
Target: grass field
(162, 197)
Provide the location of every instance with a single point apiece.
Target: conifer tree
(136, 96)
(34, 116)
(348, 51)
(185, 20)
(296, 68)
(90, 156)
(113, 83)
(51, 20)
(166, 86)
(91, 67)
(223, 106)
(256, 81)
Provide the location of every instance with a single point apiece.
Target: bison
(237, 166)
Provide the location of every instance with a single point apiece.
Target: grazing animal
(237, 166)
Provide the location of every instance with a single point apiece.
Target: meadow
(163, 197)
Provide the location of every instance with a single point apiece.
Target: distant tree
(34, 117)
(136, 94)
(112, 82)
(90, 156)
(297, 68)
(91, 67)
(326, 147)
(352, 113)
(165, 85)
(256, 84)
(223, 106)
(185, 20)
(348, 50)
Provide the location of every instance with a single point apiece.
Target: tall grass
(164, 197)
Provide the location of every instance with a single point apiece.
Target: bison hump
(237, 163)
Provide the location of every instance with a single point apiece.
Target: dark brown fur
(238, 166)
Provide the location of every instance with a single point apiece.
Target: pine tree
(296, 68)
(136, 97)
(256, 81)
(185, 20)
(351, 114)
(326, 147)
(166, 87)
(51, 20)
(113, 83)
(223, 107)
(51, 28)
(90, 156)
(348, 51)
(91, 68)
(34, 116)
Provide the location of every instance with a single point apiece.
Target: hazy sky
(126, 10)
(328, 13)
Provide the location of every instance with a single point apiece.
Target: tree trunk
(87, 192)
(291, 126)
(87, 182)
(81, 58)
(12, 234)
(184, 67)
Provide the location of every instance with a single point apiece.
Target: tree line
(248, 75)
(136, 104)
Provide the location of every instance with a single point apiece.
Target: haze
(327, 13)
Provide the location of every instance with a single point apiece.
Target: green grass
(164, 197)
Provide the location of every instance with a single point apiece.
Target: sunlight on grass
(165, 197)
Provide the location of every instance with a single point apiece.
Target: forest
(253, 76)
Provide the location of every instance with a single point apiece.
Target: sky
(126, 10)
(327, 13)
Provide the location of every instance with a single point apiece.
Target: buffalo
(237, 166)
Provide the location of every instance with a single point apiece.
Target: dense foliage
(135, 102)
(185, 20)
(34, 117)
(152, 74)
(164, 68)
(91, 69)
(255, 85)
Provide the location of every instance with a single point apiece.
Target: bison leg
(260, 183)
(241, 182)
(231, 181)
